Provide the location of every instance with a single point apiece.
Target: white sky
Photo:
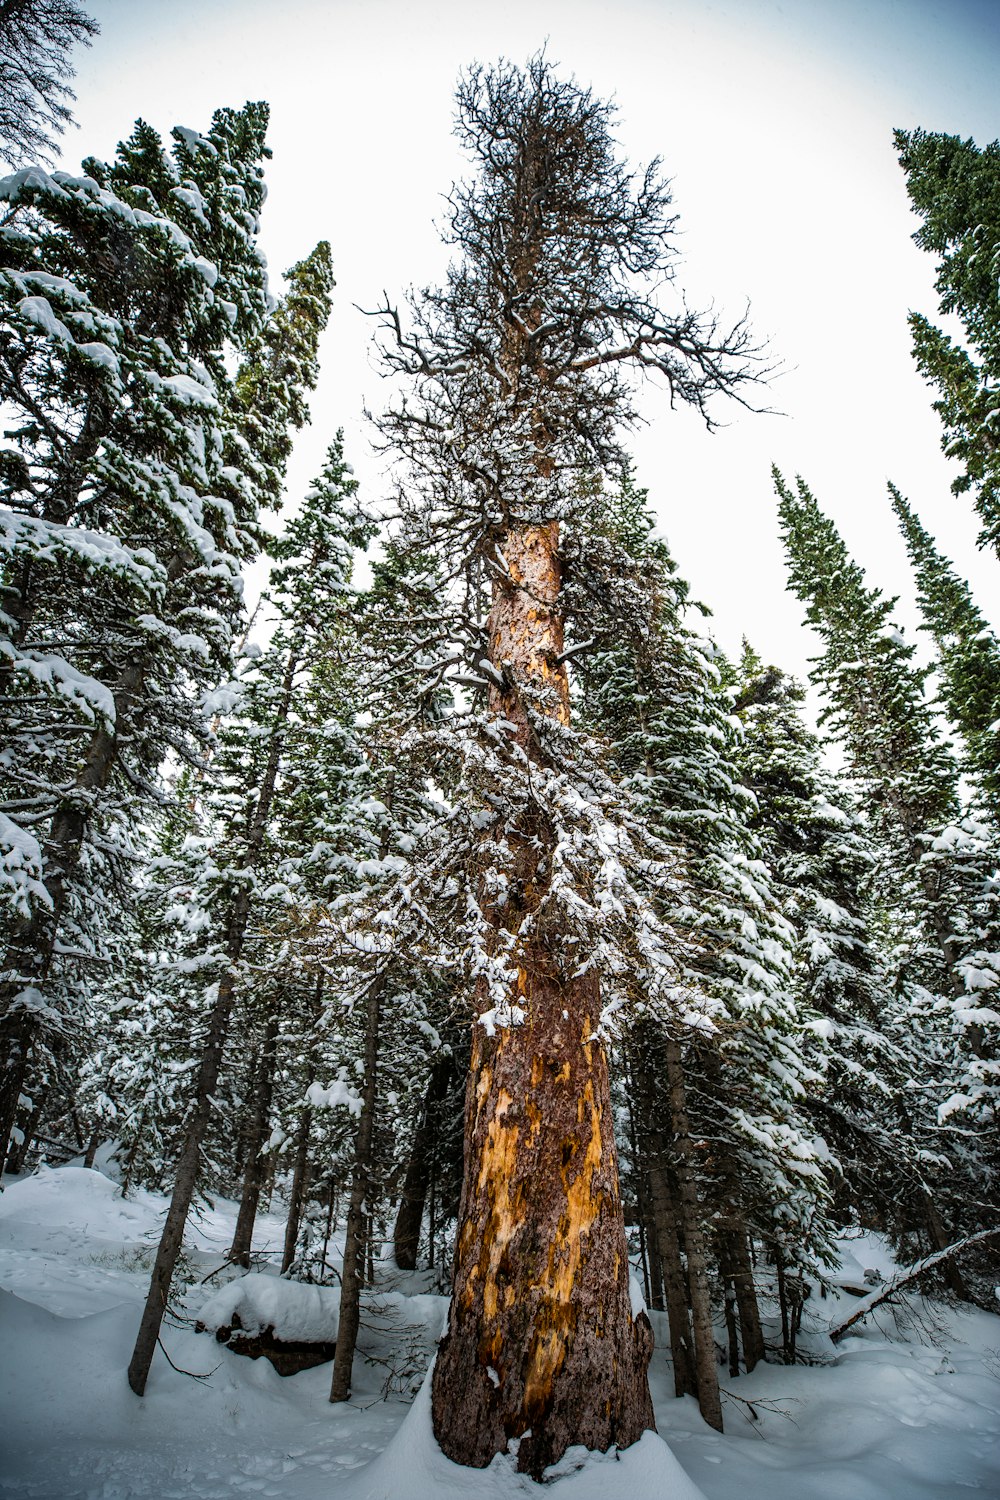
(774, 122)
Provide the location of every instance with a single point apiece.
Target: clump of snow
(293, 1310)
(413, 1467)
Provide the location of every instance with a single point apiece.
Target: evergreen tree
(651, 684)
(936, 867)
(309, 589)
(520, 365)
(131, 509)
(955, 188)
(823, 866)
(968, 653)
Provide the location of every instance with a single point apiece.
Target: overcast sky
(774, 122)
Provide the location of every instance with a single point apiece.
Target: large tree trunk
(355, 1238)
(413, 1196)
(253, 1176)
(541, 1344)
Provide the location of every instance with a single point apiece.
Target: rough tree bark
(541, 1343)
(519, 365)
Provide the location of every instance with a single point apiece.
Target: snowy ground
(900, 1418)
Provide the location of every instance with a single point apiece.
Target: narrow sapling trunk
(706, 1369)
(253, 1175)
(184, 1186)
(301, 1167)
(413, 1195)
(355, 1239)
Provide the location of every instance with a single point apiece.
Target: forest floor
(909, 1410)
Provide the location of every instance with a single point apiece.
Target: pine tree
(651, 683)
(823, 866)
(936, 868)
(968, 653)
(955, 188)
(309, 588)
(131, 510)
(521, 362)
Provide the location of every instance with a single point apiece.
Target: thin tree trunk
(754, 1349)
(253, 1176)
(184, 1186)
(786, 1330)
(729, 1296)
(16, 1053)
(682, 1352)
(297, 1193)
(657, 1277)
(939, 1239)
(361, 1184)
(413, 1197)
(641, 1215)
(706, 1369)
(300, 1171)
(664, 1213)
(92, 1145)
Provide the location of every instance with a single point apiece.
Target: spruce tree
(955, 188)
(132, 508)
(654, 686)
(823, 866)
(309, 589)
(938, 892)
(968, 654)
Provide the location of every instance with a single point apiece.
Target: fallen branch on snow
(903, 1278)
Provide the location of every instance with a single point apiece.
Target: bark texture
(706, 1369)
(541, 1338)
(541, 1345)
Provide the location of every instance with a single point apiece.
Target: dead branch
(903, 1279)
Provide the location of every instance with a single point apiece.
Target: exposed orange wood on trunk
(541, 1344)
